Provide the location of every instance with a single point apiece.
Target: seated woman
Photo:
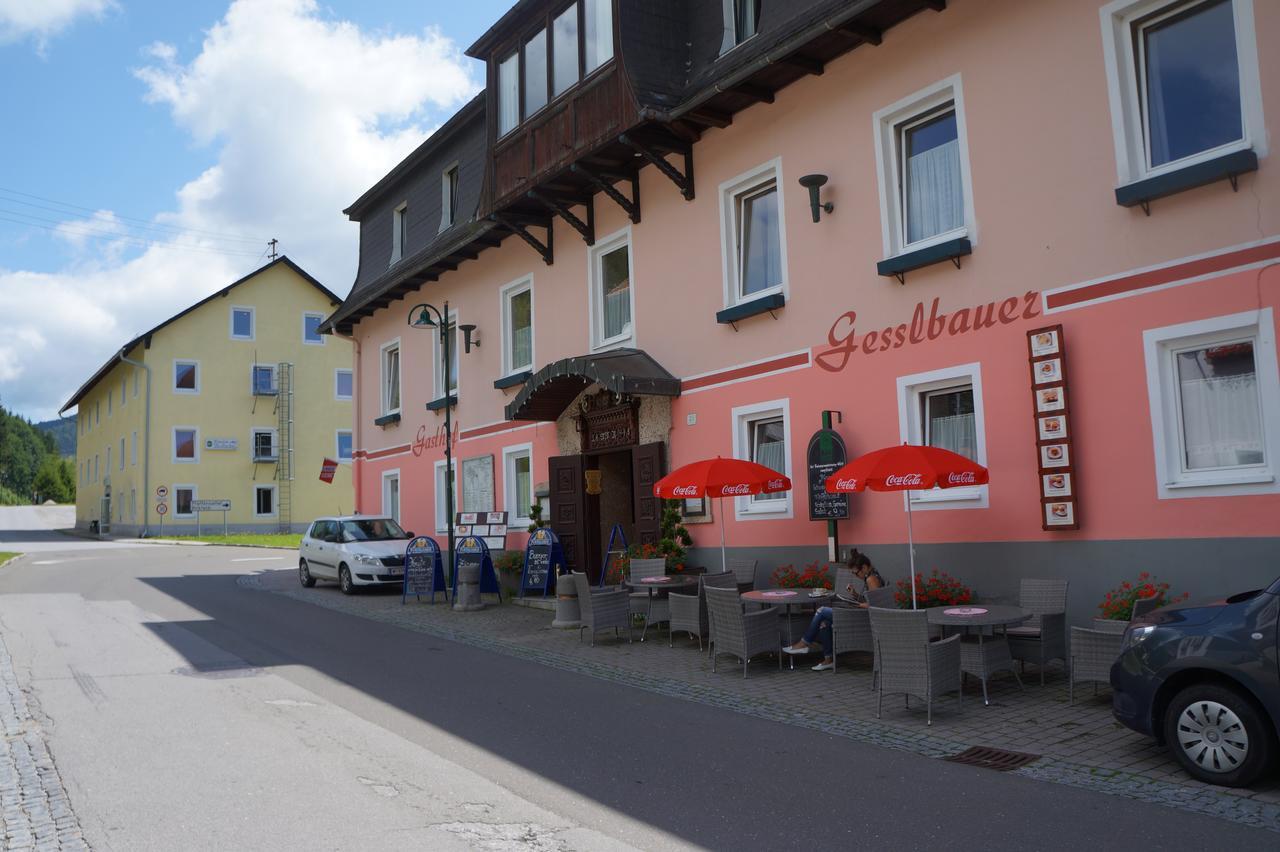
(819, 632)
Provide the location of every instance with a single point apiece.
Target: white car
(354, 550)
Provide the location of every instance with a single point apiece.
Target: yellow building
(238, 398)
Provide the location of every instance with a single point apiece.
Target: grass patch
(291, 540)
(6, 557)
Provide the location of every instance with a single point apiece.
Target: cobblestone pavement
(1080, 745)
(36, 812)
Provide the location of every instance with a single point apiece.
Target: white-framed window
(264, 444)
(1214, 388)
(242, 325)
(391, 494)
(264, 501)
(922, 165)
(449, 337)
(741, 22)
(611, 295)
(183, 497)
(441, 503)
(753, 234)
(1183, 82)
(517, 482)
(124, 387)
(262, 379)
(943, 408)
(517, 326)
(135, 382)
(389, 359)
(762, 433)
(186, 379)
(448, 196)
(97, 412)
(133, 454)
(122, 455)
(399, 232)
(110, 396)
(342, 445)
(186, 445)
(343, 385)
(108, 459)
(311, 329)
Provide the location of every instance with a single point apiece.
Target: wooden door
(648, 464)
(568, 508)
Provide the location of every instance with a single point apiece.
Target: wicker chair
(689, 612)
(745, 571)
(601, 609)
(1044, 636)
(882, 598)
(850, 626)
(1092, 654)
(652, 605)
(909, 663)
(738, 633)
(1142, 606)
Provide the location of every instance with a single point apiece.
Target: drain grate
(993, 758)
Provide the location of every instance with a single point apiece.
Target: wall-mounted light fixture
(814, 184)
(469, 337)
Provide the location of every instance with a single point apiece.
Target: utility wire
(133, 241)
(164, 230)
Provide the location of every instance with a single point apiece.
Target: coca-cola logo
(906, 479)
(774, 485)
(846, 484)
(730, 490)
(685, 491)
(968, 477)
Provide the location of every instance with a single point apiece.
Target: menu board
(1051, 408)
(477, 484)
(491, 526)
(541, 557)
(825, 456)
(423, 570)
(472, 551)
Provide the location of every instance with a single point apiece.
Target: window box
(900, 265)
(1228, 166)
(513, 380)
(439, 404)
(387, 419)
(750, 309)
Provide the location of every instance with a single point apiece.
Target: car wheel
(344, 580)
(304, 575)
(1217, 735)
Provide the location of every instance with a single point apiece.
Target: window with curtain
(535, 73)
(930, 178)
(508, 94)
(1189, 80)
(769, 448)
(520, 330)
(759, 240)
(597, 36)
(391, 379)
(449, 339)
(519, 485)
(442, 506)
(564, 50)
(949, 421)
(1219, 407)
(391, 497)
(614, 294)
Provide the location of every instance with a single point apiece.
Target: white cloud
(42, 19)
(302, 124)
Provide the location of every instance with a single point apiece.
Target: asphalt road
(183, 707)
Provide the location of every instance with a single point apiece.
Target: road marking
(48, 562)
(258, 559)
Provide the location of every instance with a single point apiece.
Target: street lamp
(429, 316)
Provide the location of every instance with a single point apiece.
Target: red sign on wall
(327, 470)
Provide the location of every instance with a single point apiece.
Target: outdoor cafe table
(663, 583)
(787, 598)
(989, 654)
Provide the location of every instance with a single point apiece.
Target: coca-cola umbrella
(720, 478)
(907, 468)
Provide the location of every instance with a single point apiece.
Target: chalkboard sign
(826, 455)
(423, 570)
(541, 557)
(473, 551)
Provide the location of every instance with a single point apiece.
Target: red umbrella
(907, 468)
(720, 478)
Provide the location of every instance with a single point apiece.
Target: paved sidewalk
(36, 812)
(1081, 745)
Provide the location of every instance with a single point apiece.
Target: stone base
(568, 615)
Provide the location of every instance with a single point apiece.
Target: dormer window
(399, 232)
(449, 196)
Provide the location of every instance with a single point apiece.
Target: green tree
(50, 481)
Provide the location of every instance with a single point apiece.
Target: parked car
(354, 550)
(1204, 680)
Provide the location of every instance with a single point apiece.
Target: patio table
(787, 598)
(664, 583)
(989, 654)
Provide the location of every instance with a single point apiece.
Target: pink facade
(1050, 245)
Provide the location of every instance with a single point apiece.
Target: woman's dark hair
(857, 561)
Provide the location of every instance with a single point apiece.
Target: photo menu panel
(1059, 502)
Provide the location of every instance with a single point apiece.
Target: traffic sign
(211, 505)
(162, 508)
(162, 491)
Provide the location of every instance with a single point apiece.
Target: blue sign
(423, 570)
(541, 557)
(472, 550)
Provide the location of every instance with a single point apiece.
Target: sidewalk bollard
(468, 596)
(568, 614)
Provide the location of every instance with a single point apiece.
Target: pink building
(1053, 245)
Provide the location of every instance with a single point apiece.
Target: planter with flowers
(814, 576)
(510, 565)
(934, 589)
(672, 544)
(1116, 609)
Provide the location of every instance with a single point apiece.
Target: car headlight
(366, 559)
(1136, 635)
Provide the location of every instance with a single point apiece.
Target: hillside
(63, 431)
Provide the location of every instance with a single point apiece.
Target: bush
(509, 562)
(935, 589)
(814, 576)
(1118, 604)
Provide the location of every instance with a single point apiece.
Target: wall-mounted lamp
(468, 340)
(814, 183)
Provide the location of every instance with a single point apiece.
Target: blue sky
(191, 132)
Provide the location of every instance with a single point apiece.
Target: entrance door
(648, 464)
(568, 509)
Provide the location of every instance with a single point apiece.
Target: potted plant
(510, 566)
(1116, 608)
(814, 576)
(934, 589)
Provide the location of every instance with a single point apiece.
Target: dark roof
(146, 335)
(512, 19)
(548, 392)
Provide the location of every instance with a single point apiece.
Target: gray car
(354, 551)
